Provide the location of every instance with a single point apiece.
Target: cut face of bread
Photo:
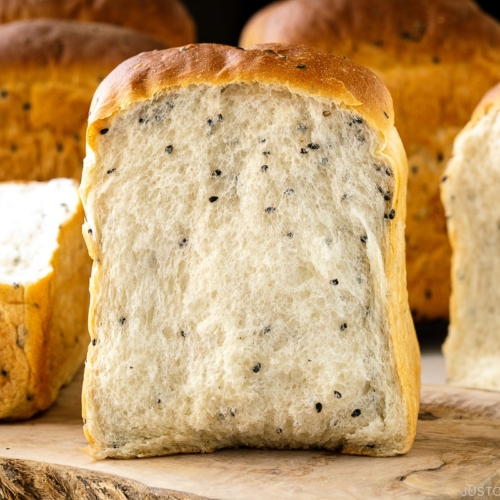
(469, 193)
(43, 293)
(243, 290)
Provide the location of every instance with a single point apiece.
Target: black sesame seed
(289, 191)
(216, 173)
(266, 153)
(26, 106)
(169, 149)
(392, 214)
(337, 394)
(387, 196)
(256, 368)
(104, 131)
(264, 168)
(220, 118)
(313, 145)
(232, 411)
(388, 171)
(270, 210)
(364, 238)
(345, 197)
(386, 115)
(319, 407)
(29, 397)
(122, 320)
(279, 430)
(4, 94)
(5, 373)
(183, 334)
(210, 122)
(301, 66)
(212, 199)
(334, 282)
(327, 113)
(304, 151)
(94, 341)
(440, 157)
(141, 120)
(343, 327)
(267, 329)
(414, 169)
(89, 231)
(111, 170)
(289, 235)
(302, 127)
(159, 401)
(444, 178)
(183, 242)
(356, 413)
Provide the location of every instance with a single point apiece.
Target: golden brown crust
(438, 58)
(293, 67)
(166, 20)
(50, 70)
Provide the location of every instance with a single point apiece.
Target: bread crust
(166, 20)
(303, 71)
(50, 70)
(438, 58)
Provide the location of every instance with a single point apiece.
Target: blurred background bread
(166, 20)
(438, 58)
(470, 195)
(50, 71)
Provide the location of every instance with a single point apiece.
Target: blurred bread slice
(44, 269)
(469, 193)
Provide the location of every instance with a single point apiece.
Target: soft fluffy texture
(44, 270)
(245, 214)
(438, 58)
(166, 20)
(469, 193)
(50, 70)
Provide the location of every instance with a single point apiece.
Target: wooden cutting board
(456, 455)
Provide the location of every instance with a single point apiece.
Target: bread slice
(245, 214)
(50, 70)
(44, 270)
(469, 194)
(437, 58)
(166, 20)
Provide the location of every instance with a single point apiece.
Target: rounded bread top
(301, 70)
(408, 31)
(166, 20)
(49, 43)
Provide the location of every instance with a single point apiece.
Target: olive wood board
(456, 455)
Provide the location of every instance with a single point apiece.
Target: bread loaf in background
(44, 271)
(50, 70)
(245, 214)
(469, 190)
(166, 20)
(438, 58)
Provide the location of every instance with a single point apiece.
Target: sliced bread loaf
(437, 58)
(44, 269)
(245, 214)
(468, 188)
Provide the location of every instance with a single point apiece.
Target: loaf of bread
(438, 58)
(245, 214)
(44, 271)
(166, 20)
(50, 70)
(468, 188)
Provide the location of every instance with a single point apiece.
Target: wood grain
(456, 455)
